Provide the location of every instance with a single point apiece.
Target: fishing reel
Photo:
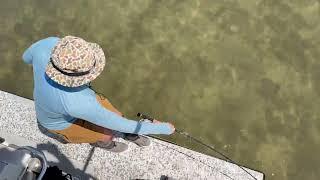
(145, 117)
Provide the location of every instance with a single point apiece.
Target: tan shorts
(82, 131)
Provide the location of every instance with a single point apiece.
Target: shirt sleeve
(41, 45)
(27, 55)
(88, 108)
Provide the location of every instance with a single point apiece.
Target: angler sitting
(65, 104)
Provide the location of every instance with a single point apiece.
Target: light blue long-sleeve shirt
(57, 107)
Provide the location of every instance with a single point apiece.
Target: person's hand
(171, 125)
(156, 121)
(172, 128)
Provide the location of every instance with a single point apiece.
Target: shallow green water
(242, 75)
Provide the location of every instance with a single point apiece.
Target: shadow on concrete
(54, 158)
(63, 161)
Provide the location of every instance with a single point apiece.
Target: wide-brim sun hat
(75, 62)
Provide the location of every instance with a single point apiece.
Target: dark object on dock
(2, 140)
(163, 177)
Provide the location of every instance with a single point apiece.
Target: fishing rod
(185, 134)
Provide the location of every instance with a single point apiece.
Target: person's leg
(82, 131)
(85, 132)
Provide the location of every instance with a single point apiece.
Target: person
(66, 105)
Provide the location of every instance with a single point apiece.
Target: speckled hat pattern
(75, 62)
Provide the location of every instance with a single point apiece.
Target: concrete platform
(18, 124)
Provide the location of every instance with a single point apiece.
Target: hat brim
(76, 81)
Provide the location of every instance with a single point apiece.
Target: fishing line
(210, 147)
(188, 155)
(185, 134)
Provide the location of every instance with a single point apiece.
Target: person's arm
(84, 106)
(29, 53)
